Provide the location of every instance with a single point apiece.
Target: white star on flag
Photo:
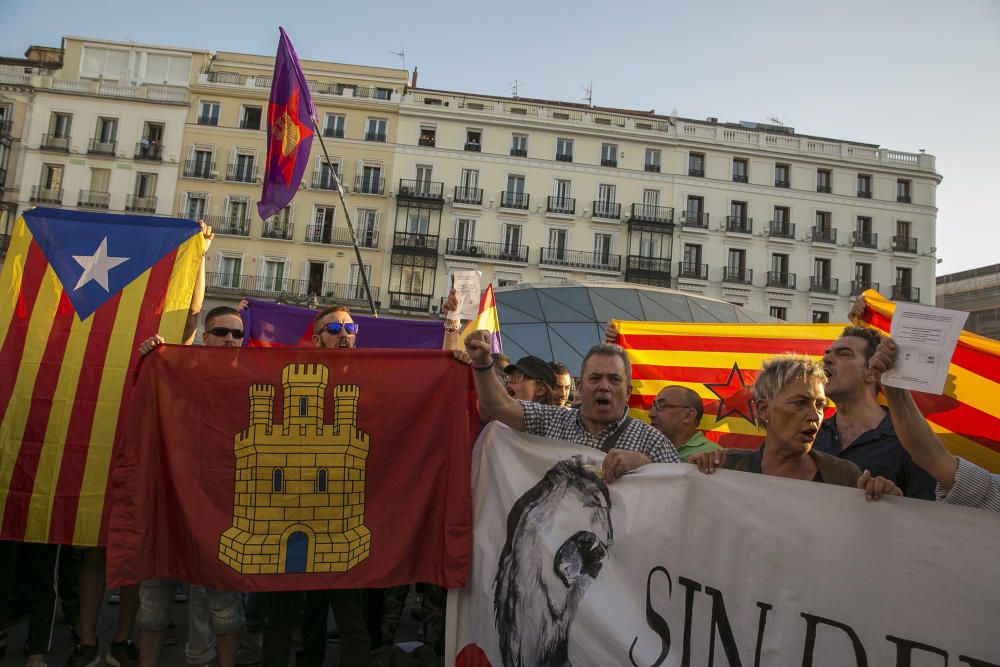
(96, 266)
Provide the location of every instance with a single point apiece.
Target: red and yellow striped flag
(78, 292)
(721, 361)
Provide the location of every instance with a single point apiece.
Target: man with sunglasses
(676, 413)
(335, 328)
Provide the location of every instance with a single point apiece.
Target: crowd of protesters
(863, 446)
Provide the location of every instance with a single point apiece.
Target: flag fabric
(281, 325)
(670, 566)
(488, 318)
(78, 292)
(290, 114)
(721, 361)
(294, 469)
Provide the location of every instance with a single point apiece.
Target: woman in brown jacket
(789, 399)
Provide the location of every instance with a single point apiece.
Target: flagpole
(347, 216)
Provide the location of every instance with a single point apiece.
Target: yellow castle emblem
(300, 485)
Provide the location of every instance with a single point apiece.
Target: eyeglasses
(661, 404)
(334, 328)
(221, 332)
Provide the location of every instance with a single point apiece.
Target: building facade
(523, 190)
(976, 291)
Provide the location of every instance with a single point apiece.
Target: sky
(903, 74)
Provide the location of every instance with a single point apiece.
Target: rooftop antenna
(777, 121)
(401, 54)
(512, 86)
(589, 97)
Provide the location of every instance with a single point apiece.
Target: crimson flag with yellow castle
(291, 469)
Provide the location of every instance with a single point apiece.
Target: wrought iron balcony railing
(52, 142)
(506, 252)
(152, 151)
(230, 225)
(94, 199)
(781, 229)
(46, 195)
(415, 189)
(105, 148)
(140, 203)
(735, 274)
(608, 210)
(823, 235)
(905, 293)
(864, 240)
(692, 270)
(563, 205)
(663, 215)
(904, 244)
(824, 284)
(468, 195)
(199, 169)
(859, 286)
(579, 259)
(516, 200)
(369, 185)
(694, 219)
(739, 225)
(277, 230)
(242, 173)
(781, 279)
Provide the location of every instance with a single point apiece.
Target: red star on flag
(734, 396)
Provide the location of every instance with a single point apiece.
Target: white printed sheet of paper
(467, 289)
(925, 339)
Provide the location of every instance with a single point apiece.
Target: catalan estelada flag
(721, 361)
(290, 114)
(488, 319)
(78, 292)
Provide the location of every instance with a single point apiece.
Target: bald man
(676, 413)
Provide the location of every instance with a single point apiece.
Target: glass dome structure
(561, 322)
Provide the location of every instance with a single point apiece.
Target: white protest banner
(671, 567)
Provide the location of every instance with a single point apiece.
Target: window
(243, 169)
(605, 205)
(904, 278)
(823, 230)
(196, 205)
(105, 63)
(864, 229)
(693, 211)
(862, 278)
(652, 162)
(557, 244)
(824, 180)
(333, 125)
(321, 478)
(822, 281)
(474, 140)
(52, 175)
(201, 165)
(696, 164)
(519, 145)
(145, 184)
(366, 227)
(272, 274)
(691, 268)
(237, 215)
(370, 179)
(903, 240)
(163, 69)
(250, 118)
(649, 245)
(428, 137)
(609, 155)
(738, 221)
(346, 89)
(903, 229)
(321, 231)
(781, 225)
(564, 150)
(469, 179)
(512, 240)
(740, 170)
(514, 196)
(465, 233)
(903, 191)
(356, 285)
(736, 266)
(229, 271)
(375, 129)
(562, 192)
(782, 175)
(107, 130)
(277, 481)
(418, 221)
(779, 263)
(501, 282)
(820, 317)
(423, 173)
(209, 113)
(100, 181)
(779, 312)
(383, 93)
(865, 186)
(603, 244)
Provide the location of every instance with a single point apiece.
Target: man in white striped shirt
(960, 482)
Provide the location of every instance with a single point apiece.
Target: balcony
(241, 173)
(415, 302)
(514, 200)
(207, 120)
(576, 259)
(609, 163)
(865, 194)
(329, 235)
(503, 252)
(375, 136)
(277, 230)
(473, 146)
(102, 148)
(781, 229)
(780, 183)
(369, 185)
(94, 199)
(471, 196)
(903, 199)
(285, 288)
(323, 180)
(647, 270)
(739, 225)
(905, 293)
(427, 140)
(422, 190)
(46, 195)
(199, 169)
(519, 152)
(781, 279)
(250, 124)
(859, 286)
(695, 219)
(865, 240)
(692, 270)
(740, 178)
(904, 244)
(650, 213)
(652, 168)
(229, 225)
(564, 157)
(824, 284)
(51, 142)
(140, 203)
(695, 171)
(424, 244)
(608, 210)
(823, 235)
(561, 205)
(333, 132)
(735, 274)
(825, 189)
(152, 151)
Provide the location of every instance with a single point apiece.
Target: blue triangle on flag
(96, 255)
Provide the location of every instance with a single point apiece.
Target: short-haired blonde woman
(790, 399)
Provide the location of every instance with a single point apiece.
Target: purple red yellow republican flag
(290, 116)
(721, 361)
(78, 292)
